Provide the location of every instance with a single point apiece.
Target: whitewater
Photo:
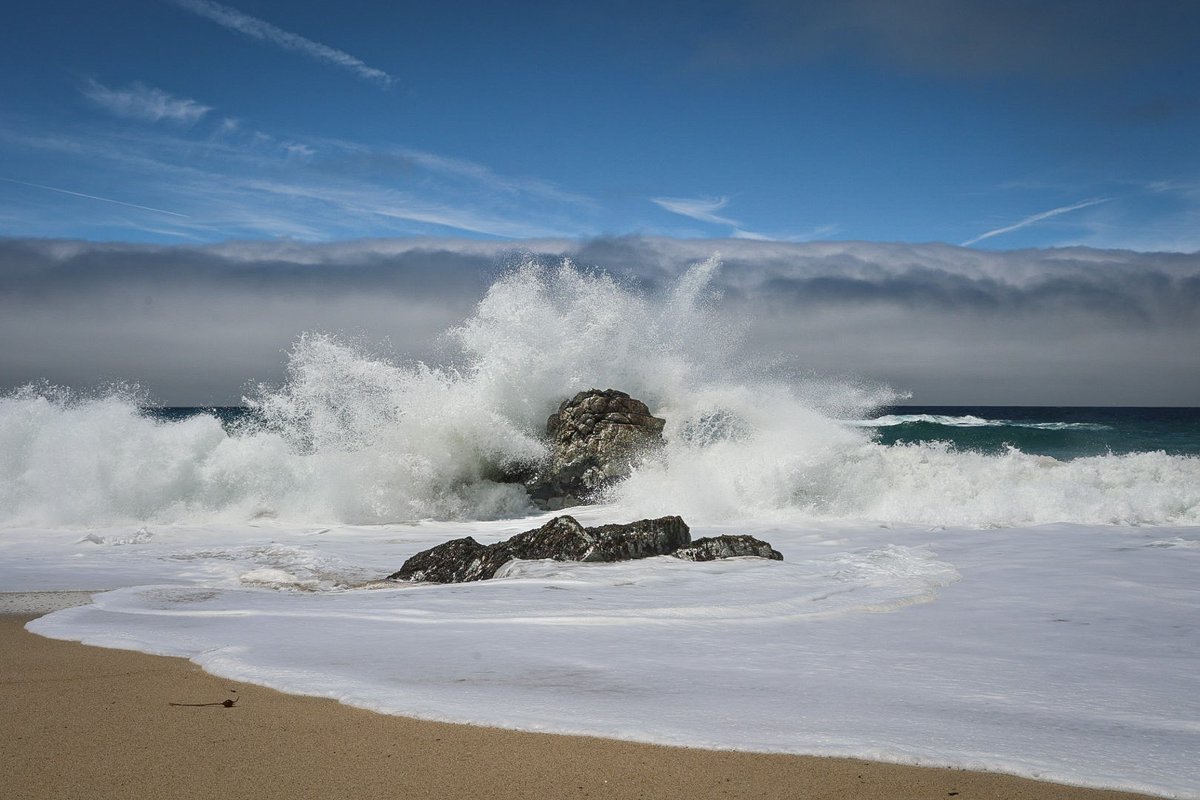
(937, 605)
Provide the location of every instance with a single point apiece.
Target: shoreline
(94, 722)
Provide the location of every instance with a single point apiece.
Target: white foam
(971, 421)
(356, 438)
(1064, 653)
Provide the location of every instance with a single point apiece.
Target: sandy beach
(90, 722)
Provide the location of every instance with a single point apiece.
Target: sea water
(1008, 589)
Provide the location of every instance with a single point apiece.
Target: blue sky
(999, 124)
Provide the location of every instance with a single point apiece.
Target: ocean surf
(991, 588)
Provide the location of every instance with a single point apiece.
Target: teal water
(1059, 432)
(1064, 433)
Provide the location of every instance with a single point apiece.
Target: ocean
(1005, 588)
(1061, 432)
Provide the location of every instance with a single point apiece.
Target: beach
(1009, 590)
(90, 722)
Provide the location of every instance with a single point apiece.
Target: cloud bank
(198, 325)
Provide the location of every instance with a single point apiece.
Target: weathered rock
(714, 547)
(641, 539)
(456, 561)
(596, 438)
(561, 539)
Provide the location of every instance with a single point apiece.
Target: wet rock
(641, 539)
(560, 539)
(729, 546)
(596, 438)
(456, 561)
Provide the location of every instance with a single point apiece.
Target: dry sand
(86, 722)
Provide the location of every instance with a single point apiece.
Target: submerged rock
(729, 546)
(564, 539)
(596, 438)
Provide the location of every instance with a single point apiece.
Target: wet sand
(87, 722)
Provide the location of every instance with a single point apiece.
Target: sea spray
(353, 437)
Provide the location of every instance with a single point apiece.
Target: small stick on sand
(225, 703)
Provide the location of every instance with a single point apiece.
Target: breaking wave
(353, 437)
(971, 421)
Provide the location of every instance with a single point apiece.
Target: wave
(354, 437)
(970, 421)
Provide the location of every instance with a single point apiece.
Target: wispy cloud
(94, 197)
(1035, 218)
(702, 209)
(262, 30)
(145, 102)
(236, 181)
(350, 156)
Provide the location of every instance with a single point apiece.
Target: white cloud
(238, 182)
(738, 233)
(298, 150)
(145, 102)
(702, 209)
(262, 30)
(350, 204)
(1030, 220)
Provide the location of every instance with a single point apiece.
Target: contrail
(1054, 212)
(261, 29)
(94, 197)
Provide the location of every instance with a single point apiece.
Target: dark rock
(561, 539)
(714, 547)
(641, 539)
(596, 438)
(455, 561)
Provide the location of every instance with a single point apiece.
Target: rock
(641, 539)
(560, 539)
(564, 539)
(456, 561)
(714, 547)
(596, 438)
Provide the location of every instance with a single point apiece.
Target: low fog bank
(951, 325)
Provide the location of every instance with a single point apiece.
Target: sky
(972, 200)
(1000, 124)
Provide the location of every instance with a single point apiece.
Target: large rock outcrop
(596, 438)
(564, 539)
